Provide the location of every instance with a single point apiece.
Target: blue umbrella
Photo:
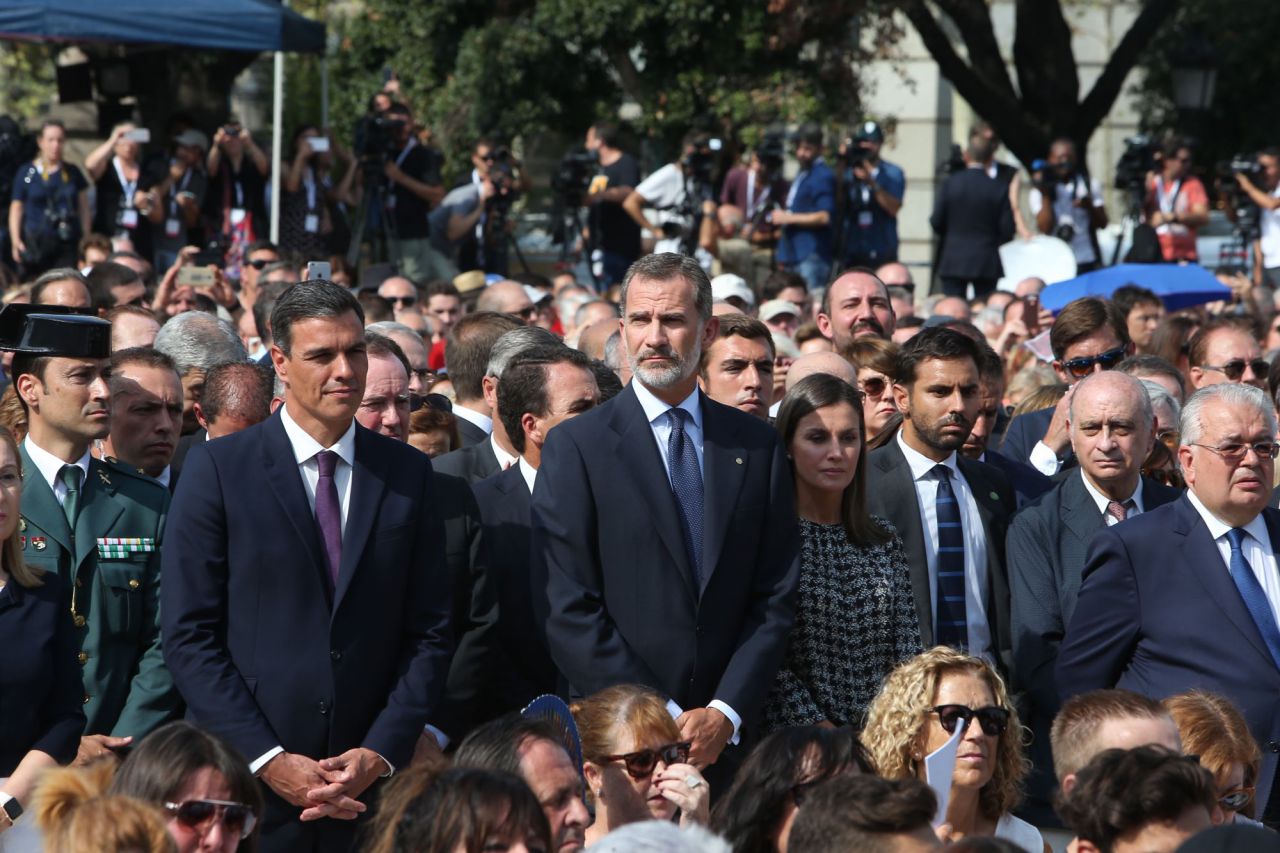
(1178, 286)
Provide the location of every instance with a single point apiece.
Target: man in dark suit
(543, 387)
(1112, 432)
(466, 354)
(956, 557)
(1028, 483)
(1185, 596)
(972, 216)
(1089, 335)
(664, 526)
(305, 604)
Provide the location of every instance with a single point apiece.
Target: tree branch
(973, 19)
(1047, 75)
(1106, 89)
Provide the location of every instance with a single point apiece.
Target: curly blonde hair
(897, 718)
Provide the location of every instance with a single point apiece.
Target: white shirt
(471, 416)
(49, 467)
(1270, 238)
(975, 543)
(655, 411)
(1256, 548)
(165, 476)
(664, 192)
(1044, 460)
(505, 459)
(1103, 501)
(1065, 210)
(529, 473)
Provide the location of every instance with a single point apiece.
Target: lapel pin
(994, 496)
(38, 543)
(102, 474)
(738, 460)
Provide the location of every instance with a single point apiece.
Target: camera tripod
(372, 198)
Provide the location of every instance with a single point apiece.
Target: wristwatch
(12, 808)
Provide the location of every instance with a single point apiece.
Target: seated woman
(918, 710)
(635, 764)
(1212, 728)
(76, 815)
(756, 813)
(204, 786)
(464, 810)
(41, 707)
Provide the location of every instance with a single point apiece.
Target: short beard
(933, 436)
(665, 376)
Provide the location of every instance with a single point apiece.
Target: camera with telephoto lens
(377, 137)
(572, 177)
(1135, 163)
(1247, 215)
(772, 151)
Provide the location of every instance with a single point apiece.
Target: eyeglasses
(873, 386)
(1234, 452)
(641, 764)
(526, 313)
(259, 263)
(1234, 369)
(195, 815)
(1082, 367)
(402, 301)
(993, 719)
(1170, 438)
(1234, 801)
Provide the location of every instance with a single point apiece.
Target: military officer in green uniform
(97, 524)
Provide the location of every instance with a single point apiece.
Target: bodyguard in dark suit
(1185, 596)
(96, 525)
(956, 553)
(466, 353)
(1028, 483)
(668, 539)
(971, 215)
(1112, 432)
(306, 603)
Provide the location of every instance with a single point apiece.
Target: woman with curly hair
(922, 703)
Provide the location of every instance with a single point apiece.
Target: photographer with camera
(235, 207)
(874, 189)
(470, 227)
(805, 247)
(1075, 213)
(1266, 267)
(748, 199)
(684, 197)
(49, 212)
(1176, 203)
(414, 186)
(115, 167)
(172, 206)
(612, 231)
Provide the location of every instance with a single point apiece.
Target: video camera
(1136, 162)
(1247, 216)
(772, 152)
(572, 177)
(700, 163)
(377, 137)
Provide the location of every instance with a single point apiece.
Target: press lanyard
(174, 190)
(126, 187)
(1167, 201)
(754, 204)
(405, 152)
(309, 184)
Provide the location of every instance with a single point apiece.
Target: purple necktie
(329, 511)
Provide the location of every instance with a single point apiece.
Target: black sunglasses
(641, 764)
(1234, 801)
(1234, 369)
(259, 263)
(195, 814)
(1082, 367)
(993, 719)
(873, 386)
(403, 301)
(526, 313)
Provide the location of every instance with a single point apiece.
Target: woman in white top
(919, 708)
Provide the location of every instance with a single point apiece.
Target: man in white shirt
(1187, 595)
(682, 196)
(1076, 210)
(1266, 268)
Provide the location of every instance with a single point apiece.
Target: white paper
(939, 767)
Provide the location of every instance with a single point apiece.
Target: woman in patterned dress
(855, 615)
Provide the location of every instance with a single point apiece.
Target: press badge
(312, 223)
(172, 228)
(129, 218)
(864, 219)
(237, 215)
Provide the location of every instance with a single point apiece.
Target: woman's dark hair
(308, 300)
(163, 762)
(1171, 338)
(425, 811)
(748, 814)
(817, 392)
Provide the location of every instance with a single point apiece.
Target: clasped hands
(326, 788)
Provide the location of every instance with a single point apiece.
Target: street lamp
(1194, 68)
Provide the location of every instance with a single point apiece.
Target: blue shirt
(42, 193)
(870, 232)
(813, 190)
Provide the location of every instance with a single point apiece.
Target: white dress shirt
(1044, 460)
(529, 473)
(50, 466)
(656, 412)
(1103, 501)
(1256, 548)
(975, 543)
(505, 459)
(471, 416)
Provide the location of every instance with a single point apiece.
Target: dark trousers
(958, 286)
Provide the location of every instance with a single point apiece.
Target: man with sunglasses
(1187, 595)
(256, 258)
(1089, 335)
(1223, 351)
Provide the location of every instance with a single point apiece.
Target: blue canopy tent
(1177, 286)
(252, 26)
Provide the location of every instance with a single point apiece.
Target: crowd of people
(816, 562)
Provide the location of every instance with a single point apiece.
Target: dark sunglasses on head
(873, 386)
(1234, 369)
(1234, 801)
(993, 719)
(236, 818)
(641, 764)
(1082, 367)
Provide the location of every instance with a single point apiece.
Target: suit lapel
(286, 483)
(1079, 513)
(898, 497)
(368, 480)
(723, 471)
(41, 506)
(98, 512)
(640, 456)
(484, 462)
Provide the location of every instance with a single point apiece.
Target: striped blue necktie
(952, 627)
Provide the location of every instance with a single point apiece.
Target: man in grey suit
(1112, 431)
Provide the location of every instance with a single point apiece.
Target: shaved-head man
(857, 303)
(508, 297)
(821, 362)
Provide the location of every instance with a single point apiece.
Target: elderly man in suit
(1112, 431)
(665, 527)
(306, 602)
(951, 511)
(1186, 595)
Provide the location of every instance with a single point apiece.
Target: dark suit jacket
(1158, 614)
(623, 605)
(1028, 483)
(469, 433)
(972, 215)
(1047, 545)
(261, 647)
(185, 443)
(472, 463)
(891, 494)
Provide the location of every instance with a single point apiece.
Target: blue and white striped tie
(952, 627)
